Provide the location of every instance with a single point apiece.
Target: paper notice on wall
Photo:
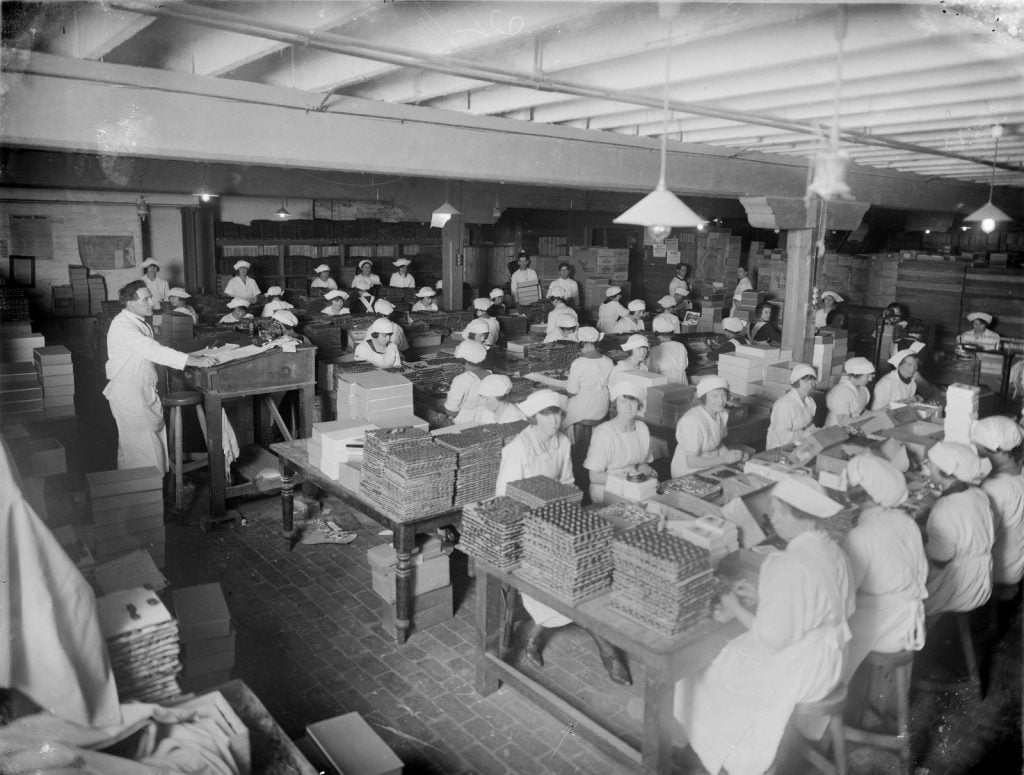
(103, 252)
(658, 251)
(673, 257)
(32, 235)
(672, 243)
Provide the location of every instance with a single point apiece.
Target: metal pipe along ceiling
(341, 44)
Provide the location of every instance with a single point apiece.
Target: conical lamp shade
(442, 215)
(988, 212)
(660, 208)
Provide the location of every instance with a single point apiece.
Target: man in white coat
(131, 390)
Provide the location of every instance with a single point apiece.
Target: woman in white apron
(464, 393)
(588, 380)
(735, 712)
(621, 445)
(792, 418)
(700, 433)
(402, 278)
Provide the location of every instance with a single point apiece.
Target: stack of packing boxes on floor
(961, 411)
(711, 313)
(745, 369)
(97, 294)
(79, 276)
(206, 635)
(20, 391)
(828, 354)
(127, 512)
(745, 310)
(666, 404)
(17, 341)
(57, 376)
(432, 584)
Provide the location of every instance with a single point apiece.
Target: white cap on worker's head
(636, 305)
(832, 295)
(482, 305)
(381, 326)
(635, 341)
(735, 325)
(897, 359)
(365, 262)
(335, 294)
(626, 387)
(799, 371)
(181, 293)
(959, 461)
(496, 293)
(879, 478)
(709, 383)
(286, 317)
(275, 290)
(494, 386)
(858, 366)
(401, 262)
(236, 302)
(322, 268)
(150, 262)
(241, 265)
(666, 302)
(478, 326)
(439, 285)
(663, 326)
(980, 316)
(804, 493)
(540, 400)
(589, 334)
(612, 290)
(997, 433)
(567, 321)
(383, 307)
(425, 292)
(471, 350)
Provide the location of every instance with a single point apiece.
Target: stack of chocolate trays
(566, 551)
(492, 530)
(521, 389)
(418, 479)
(625, 516)
(479, 458)
(377, 451)
(538, 491)
(693, 484)
(506, 431)
(661, 580)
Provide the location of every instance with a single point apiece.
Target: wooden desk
(293, 458)
(270, 372)
(665, 661)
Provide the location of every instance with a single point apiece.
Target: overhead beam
(93, 30)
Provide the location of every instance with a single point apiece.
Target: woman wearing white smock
(337, 303)
(667, 303)
(274, 302)
(701, 432)
(323, 279)
(678, 286)
(477, 330)
(238, 310)
(494, 406)
(736, 711)
(541, 449)
(899, 385)
(564, 287)
(178, 298)
(158, 286)
(979, 335)
(588, 380)
(998, 439)
(377, 348)
(402, 278)
(463, 395)
(636, 347)
(482, 309)
(241, 286)
(611, 310)
(621, 445)
(960, 531)
(742, 284)
(634, 320)
(793, 414)
(386, 309)
(558, 311)
(849, 398)
(888, 566)
(565, 327)
(365, 279)
(669, 357)
(425, 300)
(829, 299)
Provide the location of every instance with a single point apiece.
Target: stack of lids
(492, 530)
(961, 411)
(406, 474)
(660, 580)
(538, 491)
(479, 457)
(142, 641)
(566, 551)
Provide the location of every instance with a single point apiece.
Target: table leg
(656, 749)
(405, 544)
(287, 502)
(305, 424)
(490, 621)
(215, 459)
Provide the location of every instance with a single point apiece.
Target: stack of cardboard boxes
(375, 396)
(336, 448)
(828, 354)
(57, 376)
(17, 341)
(749, 302)
(666, 404)
(20, 391)
(961, 411)
(128, 512)
(79, 276)
(206, 634)
(745, 369)
(432, 584)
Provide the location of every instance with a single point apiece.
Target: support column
(453, 260)
(799, 252)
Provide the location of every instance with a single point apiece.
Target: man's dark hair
(127, 293)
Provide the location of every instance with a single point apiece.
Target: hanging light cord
(665, 111)
(840, 37)
(997, 131)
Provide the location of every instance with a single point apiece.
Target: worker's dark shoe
(534, 644)
(612, 661)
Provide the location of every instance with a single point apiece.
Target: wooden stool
(901, 664)
(179, 467)
(962, 620)
(831, 706)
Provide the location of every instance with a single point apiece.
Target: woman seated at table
(178, 298)
(541, 449)
(494, 406)
(425, 300)
(482, 310)
(636, 348)
(979, 336)
(611, 310)
(888, 566)
(588, 380)
(283, 323)
(401, 278)
(735, 712)
(365, 279)
(734, 331)
(463, 395)
(621, 445)
(701, 432)
(238, 310)
(669, 357)
(336, 305)
(764, 330)
(565, 329)
(849, 398)
(558, 311)
(386, 309)
(323, 279)
(377, 348)
(275, 301)
(960, 531)
(634, 320)
(793, 414)
(241, 286)
(667, 304)
(899, 385)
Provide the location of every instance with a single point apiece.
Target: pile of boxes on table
(961, 410)
(666, 404)
(828, 354)
(711, 312)
(745, 369)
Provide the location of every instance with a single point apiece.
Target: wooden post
(452, 256)
(799, 252)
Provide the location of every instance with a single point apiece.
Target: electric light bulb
(988, 225)
(204, 197)
(657, 234)
(700, 227)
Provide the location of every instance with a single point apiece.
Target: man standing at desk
(131, 390)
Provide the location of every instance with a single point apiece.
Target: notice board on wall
(106, 252)
(32, 235)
